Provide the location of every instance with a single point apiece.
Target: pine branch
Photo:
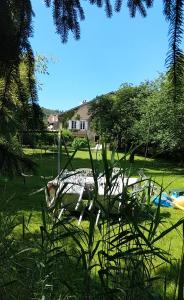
(174, 60)
(16, 29)
(167, 8)
(108, 8)
(12, 163)
(47, 3)
(135, 5)
(118, 5)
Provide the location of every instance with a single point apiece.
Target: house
(77, 120)
(53, 122)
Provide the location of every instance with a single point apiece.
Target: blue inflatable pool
(163, 199)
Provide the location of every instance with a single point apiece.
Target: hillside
(48, 111)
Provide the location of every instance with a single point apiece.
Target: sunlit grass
(163, 172)
(17, 200)
(22, 203)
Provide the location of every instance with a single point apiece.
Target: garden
(137, 255)
(110, 245)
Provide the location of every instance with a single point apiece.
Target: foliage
(16, 80)
(18, 95)
(114, 115)
(67, 135)
(65, 117)
(119, 258)
(8, 254)
(38, 139)
(47, 112)
(79, 143)
(103, 116)
(160, 125)
(12, 159)
(19, 109)
(173, 12)
(67, 17)
(142, 115)
(128, 102)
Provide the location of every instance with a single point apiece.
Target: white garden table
(76, 183)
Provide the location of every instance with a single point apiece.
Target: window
(74, 124)
(96, 139)
(82, 125)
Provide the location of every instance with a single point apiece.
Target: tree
(103, 116)
(16, 29)
(128, 99)
(15, 49)
(114, 115)
(68, 14)
(16, 25)
(65, 15)
(154, 128)
(17, 117)
(161, 124)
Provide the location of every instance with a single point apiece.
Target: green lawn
(17, 193)
(16, 198)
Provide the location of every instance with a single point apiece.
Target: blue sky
(109, 53)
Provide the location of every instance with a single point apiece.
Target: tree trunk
(132, 157)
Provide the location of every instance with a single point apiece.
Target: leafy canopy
(16, 29)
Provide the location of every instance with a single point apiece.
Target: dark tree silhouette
(16, 29)
(17, 88)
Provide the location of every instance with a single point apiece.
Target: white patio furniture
(116, 170)
(85, 171)
(76, 182)
(97, 147)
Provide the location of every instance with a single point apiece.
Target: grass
(17, 193)
(166, 173)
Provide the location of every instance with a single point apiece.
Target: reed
(115, 256)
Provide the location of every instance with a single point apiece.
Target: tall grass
(113, 254)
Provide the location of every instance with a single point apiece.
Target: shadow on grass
(49, 272)
(18, 191)
(168, 283)
(149, 165)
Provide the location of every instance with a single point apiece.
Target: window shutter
(77, 124)
(69, 124)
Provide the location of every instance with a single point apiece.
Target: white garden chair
(97, 147)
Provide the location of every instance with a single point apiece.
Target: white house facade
(79, 122)
(78, 125)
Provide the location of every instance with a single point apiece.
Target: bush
(67, 135)
(79, 143)
(36, 139)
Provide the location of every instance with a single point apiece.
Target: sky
(111, 51)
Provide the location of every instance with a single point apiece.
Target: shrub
(36, 139)
(67, 135)
(79, 143)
